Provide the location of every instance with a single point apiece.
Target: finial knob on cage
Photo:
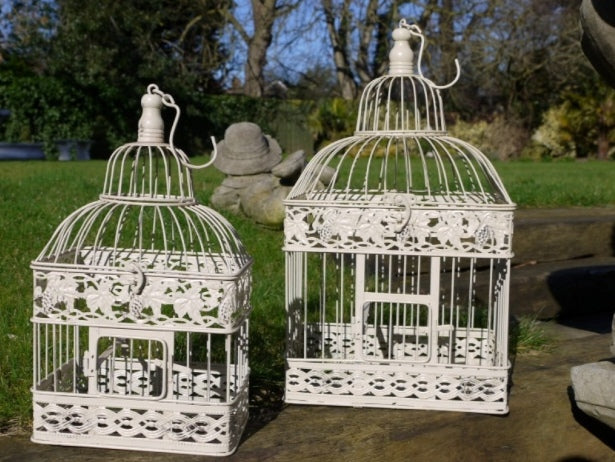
(151, 126)
(401, 55)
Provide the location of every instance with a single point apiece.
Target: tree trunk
(263, 12)
(603, 144)
(339, 41)
(364, 68)
(447, 33)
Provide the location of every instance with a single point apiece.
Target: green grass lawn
(36, 196)
(559, 184)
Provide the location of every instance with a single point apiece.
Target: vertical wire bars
(468, 327)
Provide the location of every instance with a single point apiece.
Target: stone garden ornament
(597, 19)
(141, 306)
(594, 383)
(398, 267)
(245, 150)
(258, 179)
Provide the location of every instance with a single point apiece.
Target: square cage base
(160, 426)
(346, 369)
(360, 384)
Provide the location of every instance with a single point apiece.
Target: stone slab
(562, 234)
(564, 263)
(544, 424)
(563, 288)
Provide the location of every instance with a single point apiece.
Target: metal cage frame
(141, 307)
(398, 243)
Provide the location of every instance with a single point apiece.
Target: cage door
(396, 326)
(132, 364)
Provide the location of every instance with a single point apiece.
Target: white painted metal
(141, 307)
(397, 270)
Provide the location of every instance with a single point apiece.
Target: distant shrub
(553, 138)
(583, 125)
(43, 109)
(332, 119)
(500, 138)
(46, 109)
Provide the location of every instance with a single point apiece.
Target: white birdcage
(398, 248)
(141, 307)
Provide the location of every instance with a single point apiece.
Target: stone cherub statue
(593, 383)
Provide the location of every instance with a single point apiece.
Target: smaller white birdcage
(141, 307)
(398, 242)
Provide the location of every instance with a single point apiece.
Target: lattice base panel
(483, 390)
(162, 426)
(340, 341)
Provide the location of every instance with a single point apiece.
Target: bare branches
(264, 14)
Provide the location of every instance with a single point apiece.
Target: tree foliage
(518, 59)
(582, 125)
(107, 53)
(178, 41)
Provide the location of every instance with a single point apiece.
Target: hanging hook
(454, 81)
(168, 101)
(214, 154)
(416, 31)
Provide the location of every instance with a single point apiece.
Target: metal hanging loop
(168, 101)
(416, 31)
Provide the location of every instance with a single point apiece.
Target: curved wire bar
(439, 169)
(190, 238)
(401, 144)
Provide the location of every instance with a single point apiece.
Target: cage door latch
(89, 364)
(405, 202)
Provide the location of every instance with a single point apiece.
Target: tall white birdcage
(398, 249)
(141, 310)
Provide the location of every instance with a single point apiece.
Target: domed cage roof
(147, 214)
(401, 146)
